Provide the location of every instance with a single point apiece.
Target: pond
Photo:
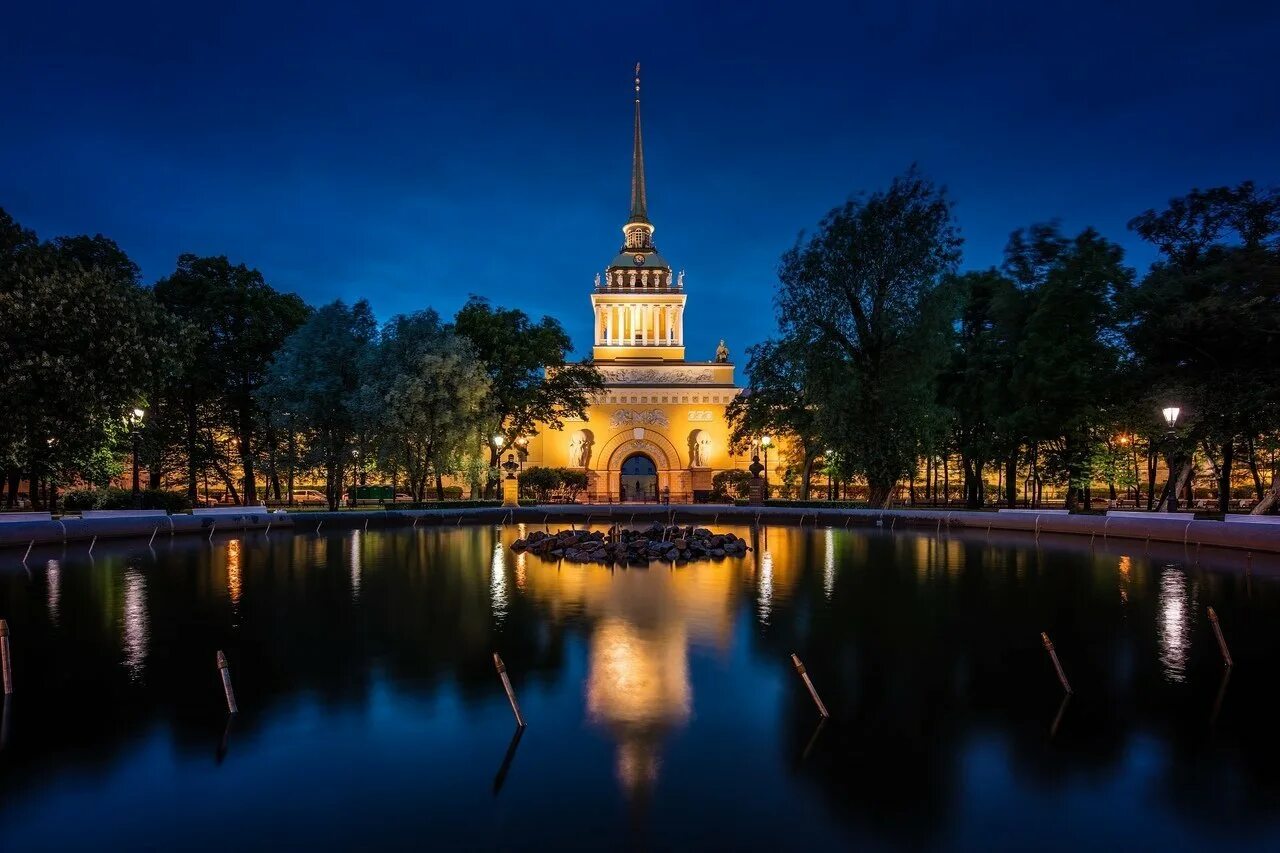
(663, 708)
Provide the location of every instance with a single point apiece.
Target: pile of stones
(633, 547)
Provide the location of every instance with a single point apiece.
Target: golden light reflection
(1174, 622)
(1125, 569)
(53, 578)
(233, 571)
(136, 630)
(643, 622)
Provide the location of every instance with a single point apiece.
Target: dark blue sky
(415, 153)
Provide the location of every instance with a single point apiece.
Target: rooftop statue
(722, 353)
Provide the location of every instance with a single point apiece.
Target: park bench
(25, 516)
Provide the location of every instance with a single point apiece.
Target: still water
(663, 709)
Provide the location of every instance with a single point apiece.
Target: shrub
(731, 484)
(453, 493)
(81, 499)
(540, 481)
(573, 481)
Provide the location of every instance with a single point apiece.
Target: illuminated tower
(639, 305)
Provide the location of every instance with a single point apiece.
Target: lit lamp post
(766, 442)
(497, 441)
(1171, 418)
(135, 432)
(355, 474)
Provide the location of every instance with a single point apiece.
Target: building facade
(658, 431)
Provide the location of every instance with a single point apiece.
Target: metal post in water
(506, 685)
(1222, 642)
(817, 700)
(1053, 656)
(226, 683)
(5, 662)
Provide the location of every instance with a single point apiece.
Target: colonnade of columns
(640, 325)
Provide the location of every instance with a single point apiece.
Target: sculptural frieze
(655, 376)
(631, 417)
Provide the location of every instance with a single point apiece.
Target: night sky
(416, 153)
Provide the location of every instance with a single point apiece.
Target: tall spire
(639, 205)
(638, 230)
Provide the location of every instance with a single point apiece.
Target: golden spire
(639, 204)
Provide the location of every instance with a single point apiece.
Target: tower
(639, 305)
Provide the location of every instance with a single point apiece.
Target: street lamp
(766, 442)
(355, 474)
(135, 431)
(1171, 418)
(522, 445)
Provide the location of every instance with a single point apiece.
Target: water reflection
(233, 572)
(1125, 568)
(638, 687)
(136, 630)
(764, 592)
(829, 562)
(498, 582)
(356, 538)
(1175, 623)
(662, 699)
(53, 580)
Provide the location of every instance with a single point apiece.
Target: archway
(638, 479)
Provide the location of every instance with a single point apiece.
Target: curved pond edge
(1154, 527)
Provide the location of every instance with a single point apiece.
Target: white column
(608, 325)
(680, 325)
(669, 316)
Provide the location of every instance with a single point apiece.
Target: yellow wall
(668, 422)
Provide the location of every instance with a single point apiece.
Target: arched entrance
(638, 479)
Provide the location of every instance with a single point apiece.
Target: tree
(788, 381)
(866, 289)
(313, 385)
(1068, 368)
(976, 386)
(427, 392)
(530, 382)
(1205, 322)
(81, 343)
(239, 322)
